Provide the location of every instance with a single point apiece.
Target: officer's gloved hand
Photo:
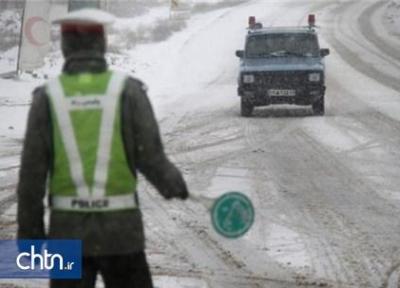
(183, 192)
(179, 191)
(177, 188)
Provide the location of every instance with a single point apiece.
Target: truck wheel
(246, 109)
(319, 106)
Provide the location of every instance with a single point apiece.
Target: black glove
(183, 192)
(176, 186)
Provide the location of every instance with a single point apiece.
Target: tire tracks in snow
(338, 35)
(199, 126)
(369, 236)
(369, 32)
(323, 216)
(210, 261)
(317, 222)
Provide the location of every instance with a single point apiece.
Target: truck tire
(319, 106)
(246, 109)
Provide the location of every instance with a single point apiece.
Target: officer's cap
(86, 16)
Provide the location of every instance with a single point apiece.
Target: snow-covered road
(326, 189)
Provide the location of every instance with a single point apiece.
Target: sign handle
(206, 201)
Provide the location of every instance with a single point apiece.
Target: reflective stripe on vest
(79, 195)
(94, 204)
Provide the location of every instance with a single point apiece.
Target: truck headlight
(248, 78)
(314, 77)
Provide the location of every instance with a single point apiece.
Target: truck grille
(282, 80)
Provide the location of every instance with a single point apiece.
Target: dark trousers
(119, 271)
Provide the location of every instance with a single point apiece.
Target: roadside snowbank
(156, 25)
(14, 104)
(9, 28)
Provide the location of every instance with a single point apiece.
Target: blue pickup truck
(282, 65)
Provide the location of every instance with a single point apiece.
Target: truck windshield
(282, 44)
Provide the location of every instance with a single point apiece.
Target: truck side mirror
(239, 53)
(324, 52)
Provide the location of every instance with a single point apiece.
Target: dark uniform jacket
(103, 233)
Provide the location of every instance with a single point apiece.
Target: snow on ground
(15, 95)
(9, 28)
(287, 247)
(14, 102)
(153, 26)
(392, 16)
(147, 19)
(175, 282)
(194, 70)
(145, 61)
(8, 60)
(373, 95)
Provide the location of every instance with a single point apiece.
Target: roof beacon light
(311, 20)
(252, 22)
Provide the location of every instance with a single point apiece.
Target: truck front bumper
(304, 96)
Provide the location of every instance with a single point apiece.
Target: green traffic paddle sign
(232, 214)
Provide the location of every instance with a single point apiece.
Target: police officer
(88, 132)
